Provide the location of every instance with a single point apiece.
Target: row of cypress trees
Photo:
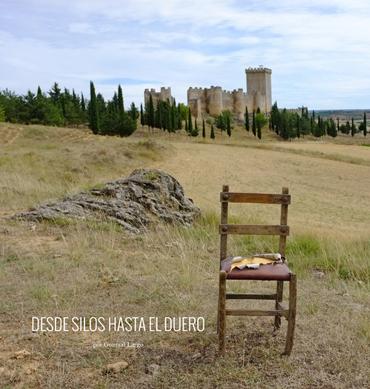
(164, 115)
(289, 124)
(258, 122)
(109, 117)
(171, 117)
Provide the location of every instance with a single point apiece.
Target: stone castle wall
(163, 95)
(214, 100)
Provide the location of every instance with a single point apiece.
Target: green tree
(259, 131)
(55, 93)
(365, 125)
(254, 128)
(93, 110)
(121, 108)
(142, 119)
(133, 112)
(212, 132)
(190, 123)
(2, 114)
(179, 116)
(353, 127)
(228, 125)
(203, 129)
(246, 119)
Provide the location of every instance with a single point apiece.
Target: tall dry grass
(75, 268)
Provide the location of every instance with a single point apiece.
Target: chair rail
(260, 198)
(251, 229)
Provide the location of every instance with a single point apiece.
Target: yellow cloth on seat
(254, 261)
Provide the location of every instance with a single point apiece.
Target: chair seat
(275, 272)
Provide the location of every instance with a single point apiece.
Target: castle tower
(239, 103)
(259, 86)
(214, 99)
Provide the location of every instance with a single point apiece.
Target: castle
(163, 95)
(214, 100)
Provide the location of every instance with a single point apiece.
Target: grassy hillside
(85, 268)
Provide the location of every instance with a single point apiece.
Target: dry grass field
(76, 268)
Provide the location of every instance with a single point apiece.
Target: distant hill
(357, 114)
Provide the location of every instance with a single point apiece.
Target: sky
(319, 51)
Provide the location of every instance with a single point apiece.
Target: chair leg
(292, 314)
(222, 312)
(279, 299)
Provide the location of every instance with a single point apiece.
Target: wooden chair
(278, 273)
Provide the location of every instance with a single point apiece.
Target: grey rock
(134, 202)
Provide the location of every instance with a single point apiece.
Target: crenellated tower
(259, 88)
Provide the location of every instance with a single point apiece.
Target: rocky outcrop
(146, 196)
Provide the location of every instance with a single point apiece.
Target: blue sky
(319, 53)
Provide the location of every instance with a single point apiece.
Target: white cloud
(318, 52)
(81, 28)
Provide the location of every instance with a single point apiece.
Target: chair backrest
(281, 229)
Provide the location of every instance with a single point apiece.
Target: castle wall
(239, 102)
(227, 101)
(214, 100)
(163, 95)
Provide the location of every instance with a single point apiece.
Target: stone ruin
(143, 198)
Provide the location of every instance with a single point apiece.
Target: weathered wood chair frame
(282, 230)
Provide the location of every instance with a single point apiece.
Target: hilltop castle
(214, 100)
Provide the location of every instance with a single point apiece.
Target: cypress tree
(365, 124)
(203, 129)
(348, 127)
(228, 125)
(173, 117)
(186, 126)
(151, 112)
(254, 123)
(259, 132)
(121, 108)
(246, 115)
(83, 104)
(93, 110)
(190, 123)
(179, 121)
(142, 120)
(299, 125)
(168, 117)
(39, 92)
(212, 132)
(353, 127)
(133, 112)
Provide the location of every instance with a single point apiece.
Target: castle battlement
(259, 69)
(196, 88)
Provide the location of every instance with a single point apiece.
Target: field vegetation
(89, 268)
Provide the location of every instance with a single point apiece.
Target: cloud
(318, 52)
(81, 28)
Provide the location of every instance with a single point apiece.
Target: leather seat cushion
(273, 272)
